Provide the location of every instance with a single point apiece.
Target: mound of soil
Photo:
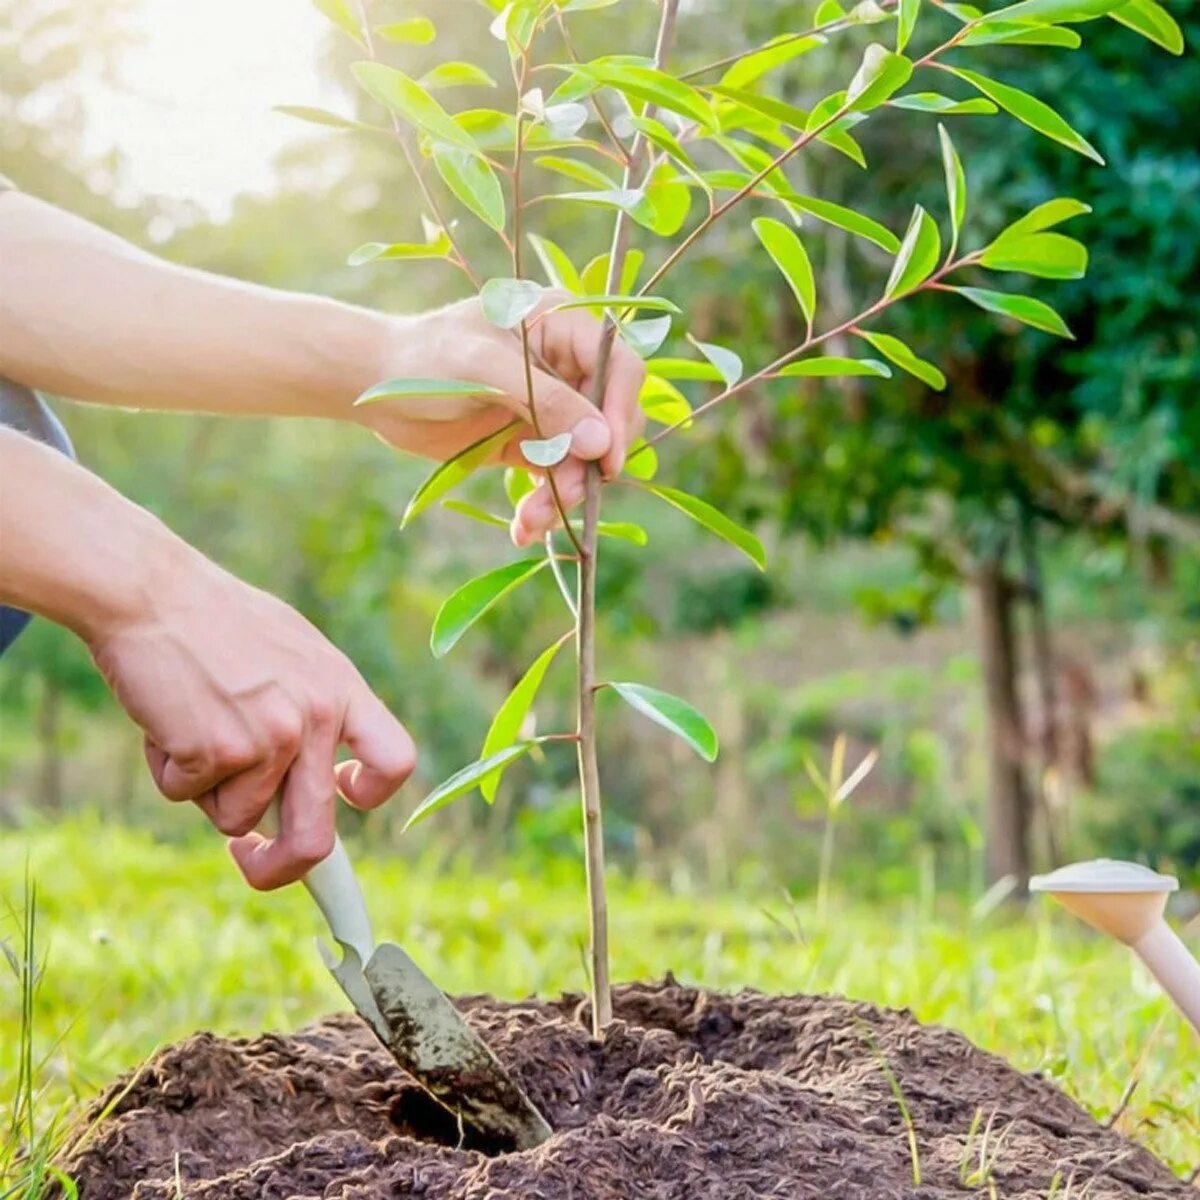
(691, 1095)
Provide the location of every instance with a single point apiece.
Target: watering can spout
(1128, 902)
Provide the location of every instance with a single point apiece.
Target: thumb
(561, 409)
(384, 753)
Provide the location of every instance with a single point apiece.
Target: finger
(558, 407)
(537, 513)
(306, 819)
(622, 406)
(384, 753)
(236, 805)
(189, 773)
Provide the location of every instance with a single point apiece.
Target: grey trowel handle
(334, 886)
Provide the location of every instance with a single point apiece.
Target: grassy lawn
(145, 943)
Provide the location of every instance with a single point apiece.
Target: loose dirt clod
(692, 1095)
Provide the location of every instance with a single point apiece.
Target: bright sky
(196, 122)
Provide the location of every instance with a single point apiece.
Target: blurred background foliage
(1022, 549)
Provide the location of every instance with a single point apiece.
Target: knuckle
(285, 730)
(312, 846)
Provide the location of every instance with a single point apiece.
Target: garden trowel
(415, 1020)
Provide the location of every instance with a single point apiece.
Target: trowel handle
(1172, 964)
(334, 886)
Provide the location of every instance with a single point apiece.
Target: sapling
(651, 141)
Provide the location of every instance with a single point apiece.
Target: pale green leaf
(467, 604)
(465, 509)
(1005, 33)
(594, 277)
(1049, 255)
(663, 402)
(416, 31)
(507, 302)
(789, 255)
(909, 11)
(1152, 21)
(558, 267)
(456, 74)
(1045, 216)
(893, 349)
(617, 300)
(1031, 111)
(727, 362)
(1050, 12)
(832, 366)
(935, 102)
(453, 471)
(918, 257)
(880, 74)
(572, 168)
(672, 714)
(650, 85)
(1020, 308)
(507, 723)
(374, 251)
(956, 186)
(342, 15)
(683, 368)
(407, 389)
(774, 54)
(412, 103)
(546, 452)
(321, 116)
(467, 780)
(645, 337)
(714, 521)
(642, 462)
(471, 178)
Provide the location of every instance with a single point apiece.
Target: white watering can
(1128, 901)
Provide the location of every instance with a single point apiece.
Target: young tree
(639, 137)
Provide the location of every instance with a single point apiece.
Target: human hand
(240, 699)
(457, 342)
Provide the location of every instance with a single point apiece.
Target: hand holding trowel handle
(413, 1018)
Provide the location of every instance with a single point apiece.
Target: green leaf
(642, 462)
(1045, 216)
(683, 368)
(518, 483)
(1152, 21)
(659, 135)
(506, 725)
(663, 402)
(546, 452)
(918, 257)
(400, 389)
(581, 172)
(645, 337)
(373, 251)
(832, 366)
(1020, 34)
(827, 11)
(787, 115)
(467, 604)
(341, 14)
(1050, 12)
(714, 521)
(650, 303)
(454, 470)
(507, 302)
(847, 219)
(726, 361)
(416, 31)
(880, 74)
(956, 187)
(666, 202)
(789, 255)
(467, 780)
(624, 198)
(412, 103)
(321, 116)
(671, 713)
(558, 267)
(1049, 255)
(893, 349)
(623, 531)
(594, 277)
(475, 513)
(909, 11)
(471, 178)
(1025, 309)
(1031, 111)
(456, 74)
(650, 85)
(935, 102)
(774, 54)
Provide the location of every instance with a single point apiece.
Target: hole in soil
(416, 1114)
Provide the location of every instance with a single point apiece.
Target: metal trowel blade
(427, 1036)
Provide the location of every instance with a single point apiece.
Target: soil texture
(691, 1095)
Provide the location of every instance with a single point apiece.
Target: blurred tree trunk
(49, 726)
(1009, 805)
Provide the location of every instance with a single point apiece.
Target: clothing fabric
(20, 409)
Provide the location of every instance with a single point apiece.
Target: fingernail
(590, 438)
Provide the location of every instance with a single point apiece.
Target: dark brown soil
(691, 1096)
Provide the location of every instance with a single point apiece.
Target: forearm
(87, 315)
(74, 550)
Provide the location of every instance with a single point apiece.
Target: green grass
(143, 943)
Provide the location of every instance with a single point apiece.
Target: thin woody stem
(933, 283)
(589, 771)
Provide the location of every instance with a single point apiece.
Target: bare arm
(238, 695)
